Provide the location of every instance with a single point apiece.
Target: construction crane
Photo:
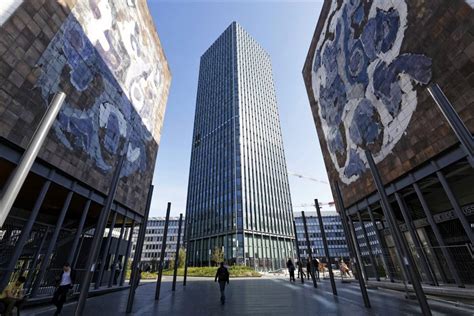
(306, 177)
(321, 204)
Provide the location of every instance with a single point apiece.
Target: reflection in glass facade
(238, 192)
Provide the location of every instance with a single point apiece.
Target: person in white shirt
(64, 282)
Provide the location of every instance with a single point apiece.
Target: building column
(98, 281)
(163, 252)
(404, 254)
(358, 251)
(127, 253)
(369, 247)
(25, 233)
(350, 243)
(35, 260)
(134, 275)
(298, 250)
(176, 260)
(414, 236)
(97, 239)
(52, 243)
(438, 236)
(385, 256)
(80, 228)
(459, 128)
(308, 247)
(457, 208)
(117, 249)
(326, 248)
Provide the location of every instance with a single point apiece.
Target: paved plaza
(265, 296)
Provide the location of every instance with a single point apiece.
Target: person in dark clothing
(117, 270)
(300, 270)
(291, 269)
(315, 268)
(309, 272)
(222, 275)
(64, 283)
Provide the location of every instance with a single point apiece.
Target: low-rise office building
(154, 239)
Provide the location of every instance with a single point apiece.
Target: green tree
(182, 257)
(217, 255)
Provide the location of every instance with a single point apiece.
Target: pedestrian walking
(222, 275)
(308, 269)
(12, 296)
(315, 268)
(300, 270)
(344, 269)
(64, 283)
(291, 269)
(118, 271)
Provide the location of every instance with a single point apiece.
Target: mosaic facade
(364, 84)
(366, 73)
(107, 58)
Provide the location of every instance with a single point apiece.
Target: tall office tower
(238, 193)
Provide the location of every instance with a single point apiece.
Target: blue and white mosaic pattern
(97, 118)
(124, 36)
(365, 86)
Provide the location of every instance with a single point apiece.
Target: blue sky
(284, 29)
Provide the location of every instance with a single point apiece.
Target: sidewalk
(261, 296)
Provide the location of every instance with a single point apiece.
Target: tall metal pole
(35, 260)
(308, 247)
(187, 230)
(462, 132)
(385, 254)
(456, 207)
(52, 243)
(397, 237)
(127, 253)
(350, 243)
(326, 248)
(418, 247)
(358, 252)
(438, 236)
(18, 176)
(97, 240)
(162, 254)
(25, 233)
(369, 247)
(176, 260)
(298, 250)
(135, 274)
(80, 228)
(117, 248)
(103, 261)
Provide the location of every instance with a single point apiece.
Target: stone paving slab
(264, 296)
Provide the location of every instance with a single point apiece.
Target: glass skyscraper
(238, 193)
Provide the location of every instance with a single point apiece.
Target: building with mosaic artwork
(391, 89)
(107, 58)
